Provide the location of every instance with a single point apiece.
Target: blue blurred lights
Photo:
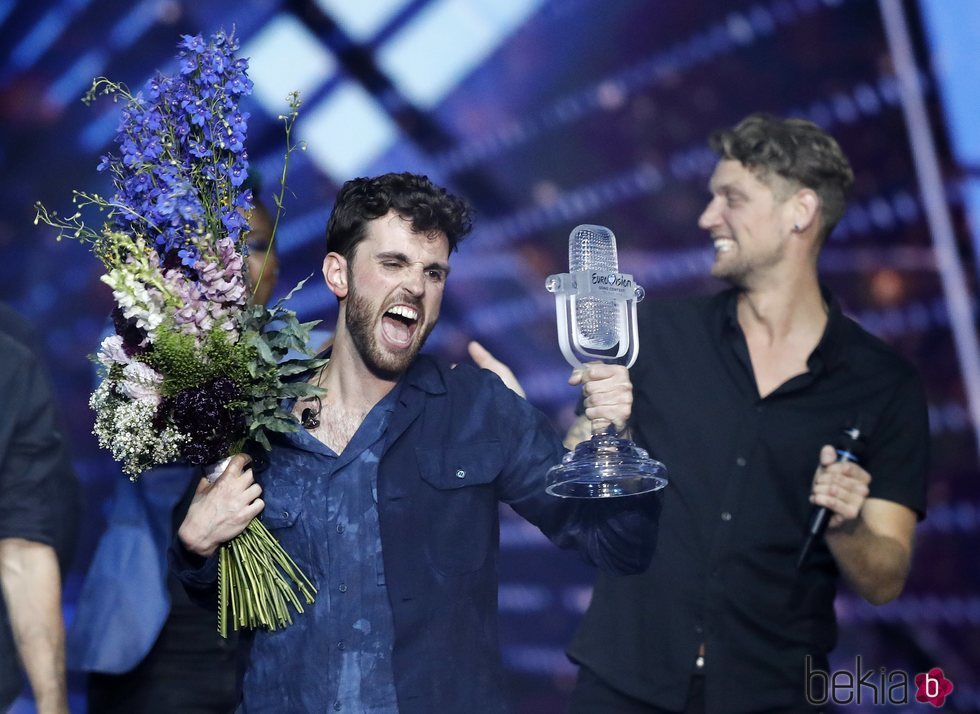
(953, 54)
(73, 83)
(123, 34)
(445, 42)
(44, 33)
(362, 20)
(285, 57)
(346, 132)
(6, 8)
(134, 24)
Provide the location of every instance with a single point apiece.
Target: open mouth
(398, 325)
(723, 245)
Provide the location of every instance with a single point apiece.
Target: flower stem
(257, 582)
(288, 121)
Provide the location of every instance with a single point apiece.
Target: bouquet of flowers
(195, 371)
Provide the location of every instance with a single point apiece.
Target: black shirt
(38, 488)
(736, 509)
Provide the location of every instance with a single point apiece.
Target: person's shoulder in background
(13, 324)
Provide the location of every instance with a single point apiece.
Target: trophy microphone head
(596, 319)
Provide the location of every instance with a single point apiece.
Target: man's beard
(359, 319)
(734, 275)
(742, 272)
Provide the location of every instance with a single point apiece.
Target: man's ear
(335, 274)
(805, 210)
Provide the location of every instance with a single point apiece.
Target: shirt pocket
(284, 504)
(460, 503)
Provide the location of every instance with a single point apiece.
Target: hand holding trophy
(596, 310)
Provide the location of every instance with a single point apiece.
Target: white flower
(111, 352)
(126, 428)
(137, 300)
(141, 382)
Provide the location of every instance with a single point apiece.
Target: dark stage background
(546, 114)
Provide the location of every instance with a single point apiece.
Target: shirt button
(698, 629)
(342, 587)
(741, 461)
(341, 645)
(336, 706)
(726, 516)
(460, 474)
(340, 528)
(285, 514)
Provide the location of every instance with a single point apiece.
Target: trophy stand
(596, 311)
(606, 466)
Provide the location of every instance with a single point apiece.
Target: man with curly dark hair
(426, 206)
(389, 497)
(742, 395)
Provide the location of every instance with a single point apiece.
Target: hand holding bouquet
(194, 372)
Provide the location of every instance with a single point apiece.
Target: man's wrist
(52, 700)
(847, 528)
(195, 543)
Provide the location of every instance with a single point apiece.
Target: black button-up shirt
(736, 509)
(38, 487)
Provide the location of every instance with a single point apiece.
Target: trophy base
(606, 466)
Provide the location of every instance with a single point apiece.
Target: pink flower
(223, 280)
(141, 383)
(111, 352)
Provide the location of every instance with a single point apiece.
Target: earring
(796, 228)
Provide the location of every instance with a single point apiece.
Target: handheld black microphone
(849, 446)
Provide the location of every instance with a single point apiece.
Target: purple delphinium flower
(211, 293)
(193, 317)
(166, 131)
(222, 280)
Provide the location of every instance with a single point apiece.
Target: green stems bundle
(256, 581)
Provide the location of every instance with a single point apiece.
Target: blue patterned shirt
(343, 661)
(458, 443)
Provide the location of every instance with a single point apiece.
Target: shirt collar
(828, 353)
(424, 374)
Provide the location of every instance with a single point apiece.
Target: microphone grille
(592, 248)
(596, 319)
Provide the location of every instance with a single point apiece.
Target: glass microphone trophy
(596, 310)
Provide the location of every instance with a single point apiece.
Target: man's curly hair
(415, 198)
(798, 151)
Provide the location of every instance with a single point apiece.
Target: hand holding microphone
(608, 395)
(840, 487)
